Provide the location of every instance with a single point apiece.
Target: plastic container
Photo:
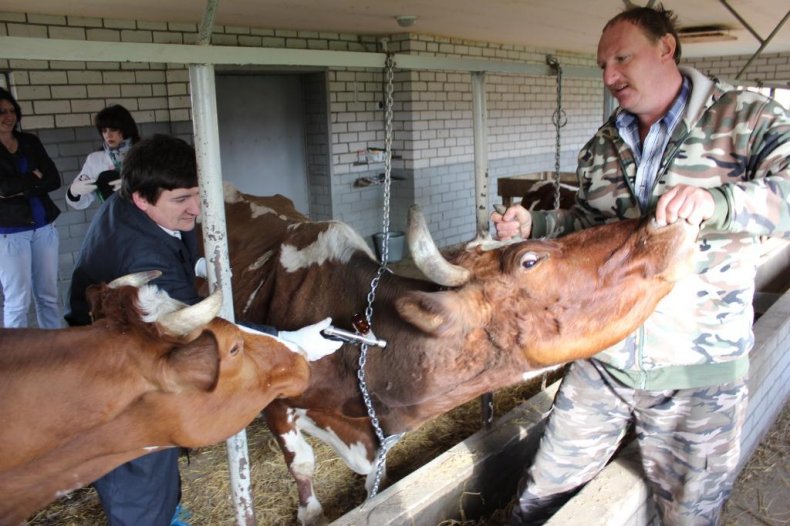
(375, 155)
(395, 246)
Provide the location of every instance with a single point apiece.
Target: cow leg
(352, 439)
(300, 459)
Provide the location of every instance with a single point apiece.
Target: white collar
(174, 233)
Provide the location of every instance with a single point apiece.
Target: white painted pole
(480, 135)
(204, 118)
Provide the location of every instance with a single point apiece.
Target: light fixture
(405, 20)
(713, 33)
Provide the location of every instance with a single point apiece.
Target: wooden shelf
(366, 163)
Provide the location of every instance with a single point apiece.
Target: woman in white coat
(101, 174)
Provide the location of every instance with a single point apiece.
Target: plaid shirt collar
(628, 124)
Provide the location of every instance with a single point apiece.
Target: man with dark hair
(149, 225)
(681, 147)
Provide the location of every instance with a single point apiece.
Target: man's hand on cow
(309, 339)
(515, 221)
(690, 203)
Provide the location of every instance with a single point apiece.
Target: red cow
(509, 313)
(151, 374)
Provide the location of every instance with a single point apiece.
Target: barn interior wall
(317, 145)
(432, 141)
(768, 67)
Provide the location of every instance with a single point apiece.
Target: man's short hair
(158, 163)
(655, 22)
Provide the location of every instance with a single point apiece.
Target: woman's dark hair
(117, 117)
(655, 22)
(6, 95)
(158, 163)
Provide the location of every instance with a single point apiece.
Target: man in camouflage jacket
(724, 162)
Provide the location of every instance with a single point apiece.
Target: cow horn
(427, 257)
(138, 279)
(182, 322)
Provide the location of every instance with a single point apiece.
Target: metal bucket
(396, 241)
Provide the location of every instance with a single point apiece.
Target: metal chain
(559, 119)
(385, 443)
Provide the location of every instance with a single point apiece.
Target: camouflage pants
(689, 441)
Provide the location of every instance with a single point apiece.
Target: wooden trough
(480, 474)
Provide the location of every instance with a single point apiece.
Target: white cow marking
(254, 293)
(354, 455)
(261, 261)
(312, 513)
(338, 242)
(155, 302)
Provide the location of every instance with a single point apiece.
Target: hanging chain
(385, 443)
(559, 119)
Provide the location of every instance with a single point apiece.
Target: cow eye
(529, 260)
(235, 350)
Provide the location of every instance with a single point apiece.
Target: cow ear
(426, 311)
(194, 364)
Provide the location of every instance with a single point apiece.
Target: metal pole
(204, 118)
(762, 46)
(206, 135)
(480, 124)
(743, 22)
(480, 134)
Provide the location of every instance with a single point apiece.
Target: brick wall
(772, 67)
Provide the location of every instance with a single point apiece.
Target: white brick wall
(766, 68)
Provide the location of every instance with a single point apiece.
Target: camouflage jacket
(737, 145)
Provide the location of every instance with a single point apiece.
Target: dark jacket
(121, 240)
(16, 186)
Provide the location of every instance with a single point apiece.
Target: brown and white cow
(151, 374)
(503, 315)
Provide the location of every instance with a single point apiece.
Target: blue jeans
(143, 492)
(29, 270)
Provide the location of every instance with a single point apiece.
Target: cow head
(556, 300)
(149, 373)
(211, 361)
(196, 348)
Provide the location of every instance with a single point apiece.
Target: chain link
(385, 443)
(559, 119)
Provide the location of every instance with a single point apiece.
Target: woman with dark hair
(28, 238)
(101, 174)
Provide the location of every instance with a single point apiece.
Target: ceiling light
(405, 20)
(714, 33)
